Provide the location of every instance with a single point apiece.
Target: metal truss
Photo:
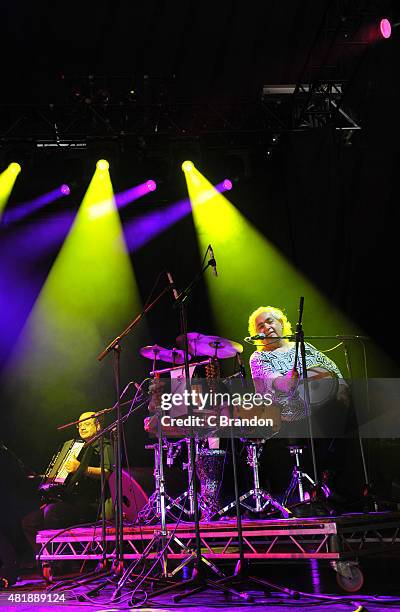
(76, 125)
(334, 539)
(320, 96)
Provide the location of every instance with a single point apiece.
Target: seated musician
(272, 363)
(272, 368)
(77, 500)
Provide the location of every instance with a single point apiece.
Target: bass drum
(134, 497)
(323, 386)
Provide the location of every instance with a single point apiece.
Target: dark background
(336, 199)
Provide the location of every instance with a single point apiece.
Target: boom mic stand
(299, 340)
(115, 347)
(198, 581)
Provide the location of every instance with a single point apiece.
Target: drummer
(272, 363)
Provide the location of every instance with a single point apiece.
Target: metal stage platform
(339, 538)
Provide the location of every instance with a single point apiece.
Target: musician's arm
(95, 472)
(266, 379)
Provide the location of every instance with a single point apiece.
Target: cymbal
(159, 353)
(210, 346)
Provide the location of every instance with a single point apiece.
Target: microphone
(256, 337)
(172, 285)
(212, 261)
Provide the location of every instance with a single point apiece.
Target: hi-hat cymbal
(210, 346)
(159, 353)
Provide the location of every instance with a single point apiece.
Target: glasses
(89, 422)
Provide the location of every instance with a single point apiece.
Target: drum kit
(210, 459)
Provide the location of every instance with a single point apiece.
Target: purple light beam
(26, 208)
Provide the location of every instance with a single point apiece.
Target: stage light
(151, 185)
(385, 28)
(89, 292)
(65, 190)
(7, 181)
(14, 168)
(227, 185)
(102, 164)
(187, 166)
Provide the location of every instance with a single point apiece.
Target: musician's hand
(72, 465)
(343, 395)
(288, 383)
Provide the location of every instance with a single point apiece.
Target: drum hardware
(298, 478)
(174, 368)
(158, 353)
(152, 510)
(261, 497)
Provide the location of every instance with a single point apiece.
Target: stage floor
(77, 598)
(296, 553)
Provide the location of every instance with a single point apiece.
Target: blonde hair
(277, 313)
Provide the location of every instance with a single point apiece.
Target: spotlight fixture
(227, 184)
(65, 190)
(14, 168)
(102, 164)
(151, 185)
(385, 28)
(187, 166)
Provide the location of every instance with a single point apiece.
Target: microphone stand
(198, 581)
(367, 483)
(115, 347)
(299, 339)
(100, 571)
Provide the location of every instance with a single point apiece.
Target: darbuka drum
(209, 469)
(322, 385)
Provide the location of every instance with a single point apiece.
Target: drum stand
(152, 510)
(261, 497)
(298, 477)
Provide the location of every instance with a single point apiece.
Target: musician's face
(87, 429)
(268, 324)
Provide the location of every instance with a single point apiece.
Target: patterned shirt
(266, 366)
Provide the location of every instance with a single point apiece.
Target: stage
(341, 540)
